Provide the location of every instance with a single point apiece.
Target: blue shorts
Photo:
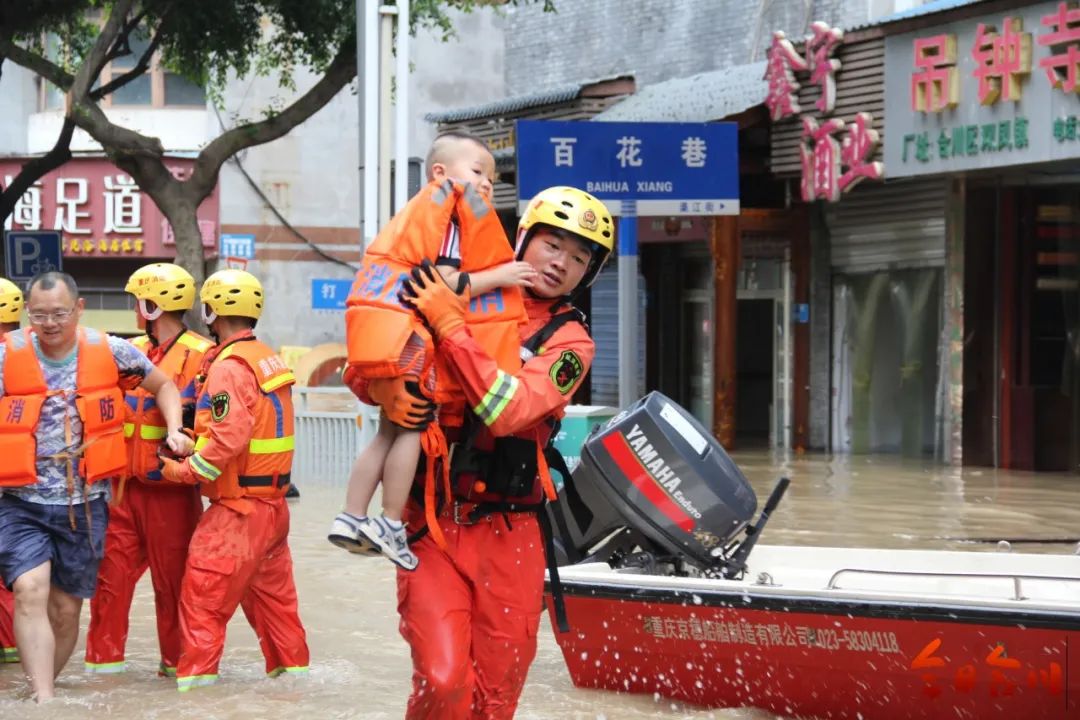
(32, 534)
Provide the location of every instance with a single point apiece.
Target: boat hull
(810, 656)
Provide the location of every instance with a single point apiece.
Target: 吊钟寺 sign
(985, 92)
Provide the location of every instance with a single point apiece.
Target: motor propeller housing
(655, 478)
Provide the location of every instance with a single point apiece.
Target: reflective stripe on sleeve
(497, 398)
(204, 468)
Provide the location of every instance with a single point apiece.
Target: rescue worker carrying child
(471, 610)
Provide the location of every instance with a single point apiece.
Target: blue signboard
(329, 293)
(28, 253)
(802, 313)
(237, 246)
(662, 168)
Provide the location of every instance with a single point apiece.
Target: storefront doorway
(679, 324)
(695, 356)
(886, 347)
(1022, 312)
(763, 350)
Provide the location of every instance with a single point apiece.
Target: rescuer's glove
(403, 401)
(173, 471)
(440, 306)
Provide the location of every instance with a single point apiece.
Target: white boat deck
(1023, 582)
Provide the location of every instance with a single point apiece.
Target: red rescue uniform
(471, 613)
(239, 554)
(150, 521)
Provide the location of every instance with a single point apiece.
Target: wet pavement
(361, 667)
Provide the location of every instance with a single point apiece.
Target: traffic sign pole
(629, 391)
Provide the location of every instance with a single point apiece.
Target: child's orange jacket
(377, 325)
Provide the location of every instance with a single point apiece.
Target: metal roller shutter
(604, 323)
(897, 225)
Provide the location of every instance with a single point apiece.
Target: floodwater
(360, 665)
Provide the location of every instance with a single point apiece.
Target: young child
(393, 455)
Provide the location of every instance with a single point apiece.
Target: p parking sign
(29, 253)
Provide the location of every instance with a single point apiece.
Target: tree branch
(123, 37)
(33, 170)
(35, 64)
(340, 72)
(113, 138)
(96, 59)
(140, 67)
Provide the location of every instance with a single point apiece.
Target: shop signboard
(985, 92)
(101, 212)
(836, 154)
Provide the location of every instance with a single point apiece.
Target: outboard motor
(654, 486)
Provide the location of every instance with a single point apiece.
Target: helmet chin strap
(150, 316)
(208, 317)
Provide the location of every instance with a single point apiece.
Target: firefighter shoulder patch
(566, 370)
(219, 406)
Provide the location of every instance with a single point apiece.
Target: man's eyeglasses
(57, 316)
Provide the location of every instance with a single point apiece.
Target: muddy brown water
(360, 665)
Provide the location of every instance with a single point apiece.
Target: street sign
(29, 253)
(237, 246)
(329, 293)
(653, 168)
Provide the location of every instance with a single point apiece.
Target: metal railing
(332, 427)
(1016, 578)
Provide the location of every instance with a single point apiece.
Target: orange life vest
(264, 469)
(512, 470)
(144, 425)
(99, 402)
(377, 326)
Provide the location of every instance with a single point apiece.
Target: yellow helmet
(11, 301)
(232, 293)
(168, 286)
(577, 212)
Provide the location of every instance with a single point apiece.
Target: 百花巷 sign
(990, 91)
(662, 168)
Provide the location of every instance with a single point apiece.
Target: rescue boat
(667, 592)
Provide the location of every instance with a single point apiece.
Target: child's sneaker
(389, 536)
(345, 533)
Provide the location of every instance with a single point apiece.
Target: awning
(509, 105)
(604, 88)
(698, 98)
(929, 8)
(116, 322)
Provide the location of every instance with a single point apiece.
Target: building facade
(982, 101)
